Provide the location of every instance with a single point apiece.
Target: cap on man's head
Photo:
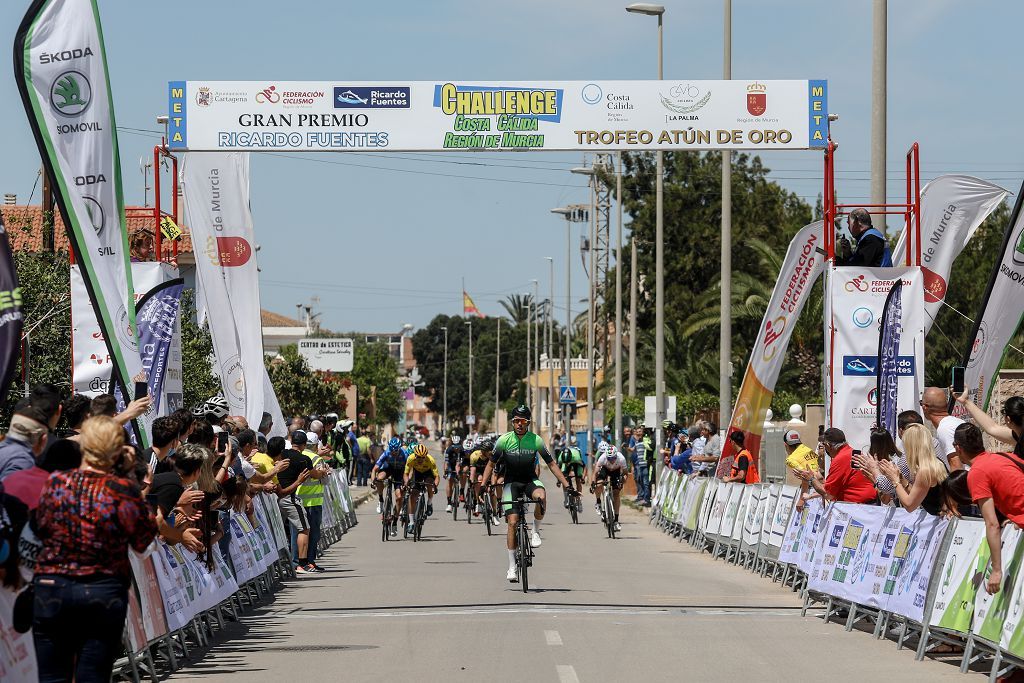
(312, 439)
(834, 435)
(792, 438)
(299, 438)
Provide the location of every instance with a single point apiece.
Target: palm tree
(518, 307)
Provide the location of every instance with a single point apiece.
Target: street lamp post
(552, 399)
(497, 375)
(444, 391)
(567, 213)
(592, 282)
(659, 246)
(529, 378)
(470, 323)
(725, 302)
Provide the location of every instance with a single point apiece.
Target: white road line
(566, 673)
(552, 637)
(794, 613)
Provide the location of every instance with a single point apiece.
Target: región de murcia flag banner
(1001, 313)
(61, 70)
(952, 208)
(800, 269)
(216, 191)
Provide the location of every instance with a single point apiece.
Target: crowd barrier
(911, 576)
(176, 601)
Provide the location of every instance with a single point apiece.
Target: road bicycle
(453, 500)
(607, 506)
(523, 551)
(388, 511)
(573, 505)
(488, 509)
(420, 515)
(471, 501)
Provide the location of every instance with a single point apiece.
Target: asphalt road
(640, 607)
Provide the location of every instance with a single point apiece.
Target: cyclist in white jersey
(610, 466)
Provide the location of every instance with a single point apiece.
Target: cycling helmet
(668, 425)
(456, 439)
(603, 448)
(394, 444)
(469, 445)
(216, 406)
(521, 411)
(199, 410)
(420, 451)
(486, 444)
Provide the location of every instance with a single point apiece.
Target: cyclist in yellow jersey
(478, 461)
(420, 466)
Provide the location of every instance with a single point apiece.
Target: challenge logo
(268, 95)
(757, 98)
(71, 94)
(372, 97)
(475, 100)
(683, 100)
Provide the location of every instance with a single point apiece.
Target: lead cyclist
(517, 452)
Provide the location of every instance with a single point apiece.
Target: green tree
(301, 391)
(198, 381)
(373, 366)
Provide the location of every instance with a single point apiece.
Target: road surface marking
(567, 674)
(552, 637)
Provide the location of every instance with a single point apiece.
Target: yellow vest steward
(312, 491)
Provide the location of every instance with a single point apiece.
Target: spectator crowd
(76, 495)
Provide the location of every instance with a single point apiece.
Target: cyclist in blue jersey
(452, 457)
(390, 466)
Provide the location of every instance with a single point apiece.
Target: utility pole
(552, 397)
(725, 302)
(618, 302)
(878, 103)
(529, 359)
(470, 323)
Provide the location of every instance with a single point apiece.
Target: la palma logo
(757, 98)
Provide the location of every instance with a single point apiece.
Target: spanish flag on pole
(468, 307)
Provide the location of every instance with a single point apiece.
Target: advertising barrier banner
(961, 576)
(437, 116)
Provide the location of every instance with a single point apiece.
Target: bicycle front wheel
(609, 514)
(487, 513)
(524, 555)
(421, 513)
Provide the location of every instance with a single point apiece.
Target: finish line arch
(440, 116)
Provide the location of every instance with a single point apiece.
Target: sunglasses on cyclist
(520, 421)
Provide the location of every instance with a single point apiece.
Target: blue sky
(385, 240)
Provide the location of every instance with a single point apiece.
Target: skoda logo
(863, 317)
(592, 93)
(71, 93)
(96, 216)
(1018, 249)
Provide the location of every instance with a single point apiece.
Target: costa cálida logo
(757, 98)
(228, 251)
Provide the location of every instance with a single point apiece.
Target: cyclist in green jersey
(570, 461)
(517, 452)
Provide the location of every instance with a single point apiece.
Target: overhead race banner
(1002, 311)
(800, 269)
(952, 208)
(216, 191)
(854, 299)
(61, 72)
(433, 116)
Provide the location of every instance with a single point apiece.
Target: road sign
(563, 380)
(567, 395)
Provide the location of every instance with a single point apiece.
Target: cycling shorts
(418, 477)
(614, 475)
(513, 490)
(572, 469)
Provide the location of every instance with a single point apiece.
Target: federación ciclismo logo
(71, 93)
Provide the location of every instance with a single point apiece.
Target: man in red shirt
(843, 483)
(996, 483)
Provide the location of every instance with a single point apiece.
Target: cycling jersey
(519, 456)
(392, 462)
(452, 455)
(422, 465)
(479, 460)
(612, 463)
(571, 460)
